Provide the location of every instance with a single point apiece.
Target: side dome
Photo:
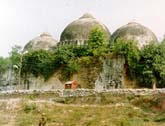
(134, 31)
(45, 41)
(80, 29)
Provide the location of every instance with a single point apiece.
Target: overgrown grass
(103, 110)
(88, 115)
(84, 116)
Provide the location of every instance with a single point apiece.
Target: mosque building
(77, 33)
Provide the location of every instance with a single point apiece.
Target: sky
(23, 20)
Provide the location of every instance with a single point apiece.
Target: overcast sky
(23, 20)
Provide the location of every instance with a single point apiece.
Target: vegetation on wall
(147, 65)
(130, 52)
(151, 66)
(65, 59)
(38, 62)
(97, 42)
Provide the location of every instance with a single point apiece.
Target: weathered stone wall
(7, 79)
(81, 92)
(33, 83)
(88, 74)
(111, 76)
(11, 82)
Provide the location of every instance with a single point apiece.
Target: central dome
(134, 31)
(81, 28)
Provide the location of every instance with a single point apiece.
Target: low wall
(81, 92)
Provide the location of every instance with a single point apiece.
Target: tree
(15, 56)
(96, 42)
(151, 66)
(159, 64)
(146, 65)
(16, 61)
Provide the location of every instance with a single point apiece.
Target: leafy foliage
(130, 51)
(15, 55)
(38, 63)
(146, 65)
(65, 58)
(151, 67)
(45, 62)
(96, 42)
(146, 68)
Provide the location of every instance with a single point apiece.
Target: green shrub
(160, 118)
(29, 107)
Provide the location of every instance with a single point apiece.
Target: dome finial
(45, 34)
(87, 15)
(133, 23)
